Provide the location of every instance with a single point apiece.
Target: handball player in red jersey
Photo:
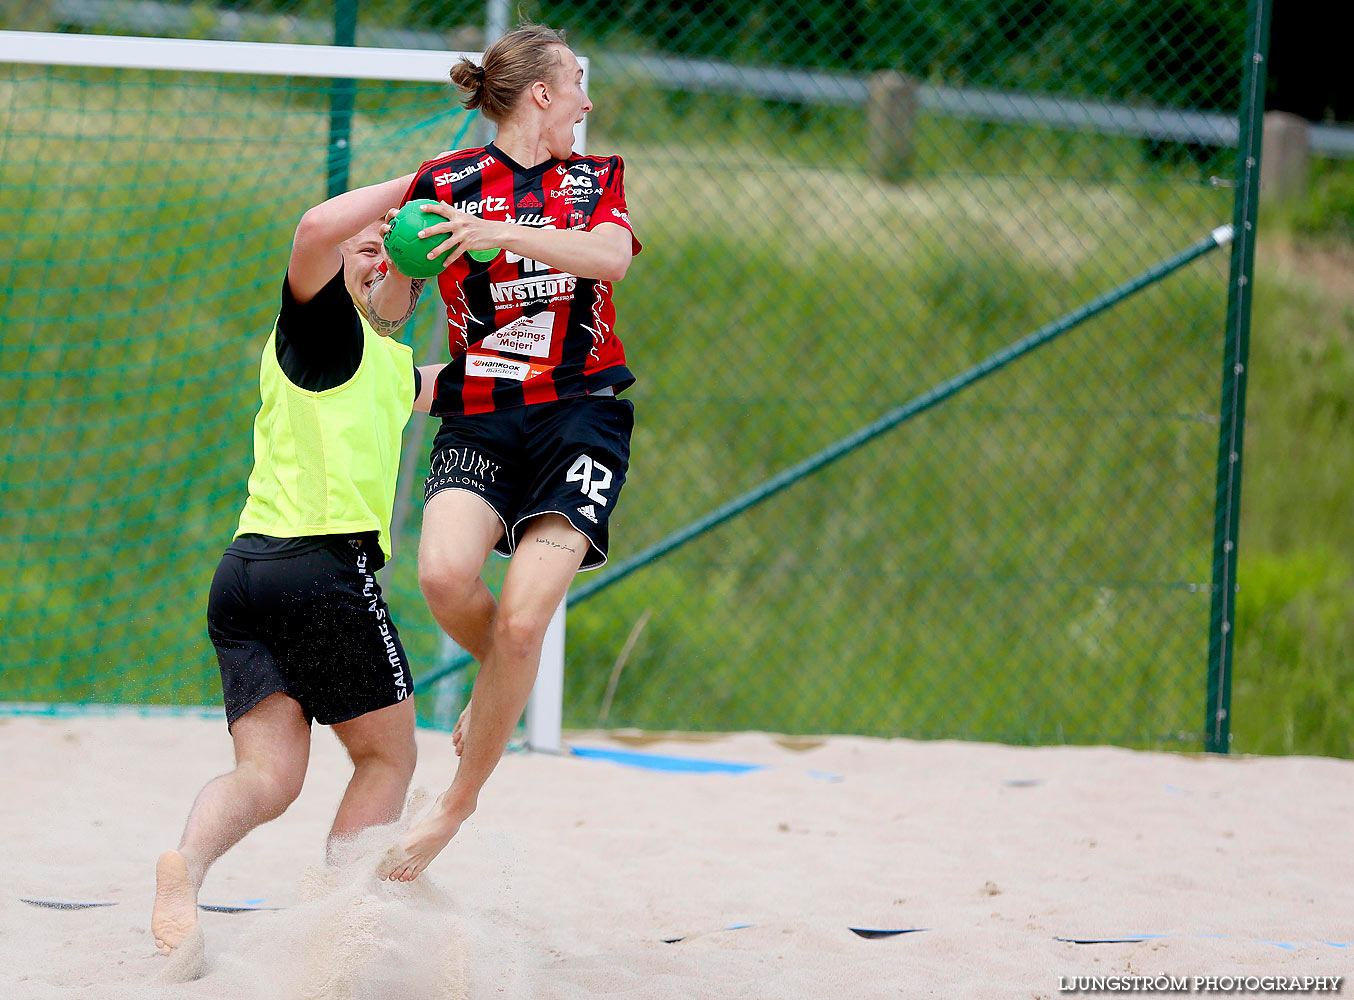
(534, 442)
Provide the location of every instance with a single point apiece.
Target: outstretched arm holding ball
(352, 221)
(602, 253)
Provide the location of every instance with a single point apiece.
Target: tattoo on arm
(554, 545)
(385, 327)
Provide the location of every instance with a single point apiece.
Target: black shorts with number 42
(567, 457)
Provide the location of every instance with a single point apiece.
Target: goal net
(150, 191)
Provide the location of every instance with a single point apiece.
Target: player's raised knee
(445, 581)
(519, 632)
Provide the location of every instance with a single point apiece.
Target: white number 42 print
(592, 477)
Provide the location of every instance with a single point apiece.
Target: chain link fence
(850, 209)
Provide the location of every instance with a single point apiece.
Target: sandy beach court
(578, 872)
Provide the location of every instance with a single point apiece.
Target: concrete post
(890, 114)
(1284, 156)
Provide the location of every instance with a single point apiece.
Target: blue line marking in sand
(1135, 938)
(731, 927)
(660, 762)
(1279, 944)
(684, 765)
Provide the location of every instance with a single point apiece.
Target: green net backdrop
(843, 205)
(155, 213)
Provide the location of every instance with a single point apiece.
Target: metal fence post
(342, 95)
(1232, 412)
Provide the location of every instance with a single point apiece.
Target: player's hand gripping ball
(409, 254)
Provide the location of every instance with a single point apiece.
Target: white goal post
(544, 711)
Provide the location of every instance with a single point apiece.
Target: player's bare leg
(458, 733)
(459, 532)
(272, 748)
(382, 749)
(550, 552)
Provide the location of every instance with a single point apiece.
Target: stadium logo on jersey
(529, 200)
(487, 204)
(598, 172)
(451, 176)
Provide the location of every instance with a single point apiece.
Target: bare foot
(406, 860)
(458, 734)
(175, 913)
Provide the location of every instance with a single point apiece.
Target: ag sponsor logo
(574, 189)
(452, 176)
(524, 335)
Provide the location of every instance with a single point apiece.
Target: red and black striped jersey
(519, 331)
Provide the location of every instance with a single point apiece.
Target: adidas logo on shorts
(589, 511)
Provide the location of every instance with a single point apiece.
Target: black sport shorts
(313, 626)
(567, 457)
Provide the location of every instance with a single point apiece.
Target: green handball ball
(409, 253)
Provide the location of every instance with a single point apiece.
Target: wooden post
(890, 113)
(1284, 163)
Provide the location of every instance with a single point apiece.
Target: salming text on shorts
(313, 626)
(567, 457)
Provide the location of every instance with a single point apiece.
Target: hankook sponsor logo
(484, 366)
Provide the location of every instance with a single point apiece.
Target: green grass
(1029, 562)
(1295, 611)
